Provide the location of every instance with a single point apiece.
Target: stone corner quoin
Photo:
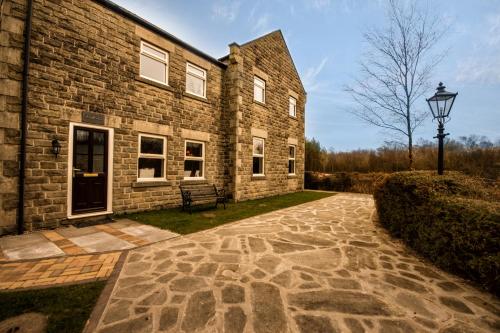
(85, 73)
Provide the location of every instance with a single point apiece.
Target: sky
(325, 38)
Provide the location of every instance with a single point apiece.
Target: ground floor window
(194, 160)
(151, 160)
(291, 160)
(258, 157)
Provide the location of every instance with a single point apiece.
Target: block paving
(324, 266)
(54, 271)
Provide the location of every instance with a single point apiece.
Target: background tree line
(474, 155)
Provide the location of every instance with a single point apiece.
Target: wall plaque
(93, 118)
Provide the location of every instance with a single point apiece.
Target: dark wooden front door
(90, 167)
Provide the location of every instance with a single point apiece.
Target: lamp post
(440, 105)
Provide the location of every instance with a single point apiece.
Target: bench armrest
(186, 195)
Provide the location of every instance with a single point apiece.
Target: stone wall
(12, 15)
(269, 59)
(85, 60)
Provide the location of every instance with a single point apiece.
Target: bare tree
(396, 71)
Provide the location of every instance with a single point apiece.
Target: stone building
(137, 112)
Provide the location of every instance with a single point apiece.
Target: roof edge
(146, 24)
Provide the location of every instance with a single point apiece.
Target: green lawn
(184, 223)
(68, 307)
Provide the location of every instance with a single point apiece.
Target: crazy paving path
(323, 266)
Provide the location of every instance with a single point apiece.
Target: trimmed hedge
(342, 181)
(453, 220)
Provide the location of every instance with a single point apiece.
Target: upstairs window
(196, 79)
(154, 63)
(194, 160)
(258, 157)
(291, 160)
(152, 151)
(292, 107)
(259, 90)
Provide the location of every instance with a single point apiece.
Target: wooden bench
(201, 193)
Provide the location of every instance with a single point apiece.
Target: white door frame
(109, 176)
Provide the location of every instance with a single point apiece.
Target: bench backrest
(199, 189)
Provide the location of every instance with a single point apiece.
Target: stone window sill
(140, 184)
(260, 104)
(292, 117)
(198, 98)
(153, 83)
(292, 176)
(258, 178)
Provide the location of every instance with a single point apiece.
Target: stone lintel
(293, 94)
(195, 60)
(153, 38)
(195, 135)
(293, 141)
(152, 128)
(259, 133)
(260, 74)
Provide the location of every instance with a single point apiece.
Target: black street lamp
(440, 105)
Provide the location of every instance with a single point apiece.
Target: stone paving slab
(100, 241)
(29, 246)
(120, 235)
(323, 266)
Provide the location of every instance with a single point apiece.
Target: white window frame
(152, 156)
(203, 78)
(154, 57)
(292, 105)
(259, 155)
(195, 158)
(260, 83)
(292, 159)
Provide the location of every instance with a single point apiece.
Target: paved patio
(123, 234)
(323, 266)
(69, 255)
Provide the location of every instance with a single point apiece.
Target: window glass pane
(291, 152)
(194, 149)
(82, 162)
(293, 107)
(196, 71)
(153, 69)
(151, 145)
(258, 82)
(258, 146)
(258, 167)
(291, 166)
(98, 163)
(258, 94)
(98, 152)
(82, 150)
(195, 85)
(150, 168)
(82, 142)
(154, 52)
(98, 138)
(193, 168)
